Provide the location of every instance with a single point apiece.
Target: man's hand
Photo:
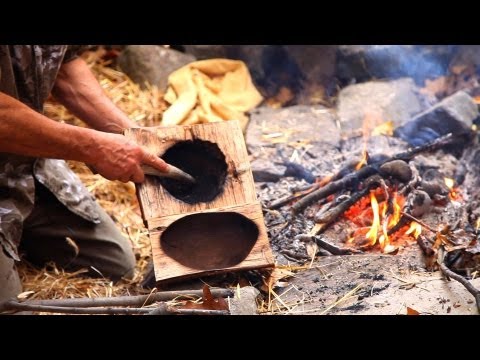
(117, 158)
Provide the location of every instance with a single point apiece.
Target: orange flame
(415, 229)
(375, 221)
(363, 161)
(372, 234)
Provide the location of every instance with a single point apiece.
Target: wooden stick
(356, 177)
(16, 306)
(162, 309)
(333, 249)
(411, 217)
(141, 300)
(201, 312)
(468, 285)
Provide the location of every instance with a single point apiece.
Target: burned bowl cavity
(210, 241)
(205, 162)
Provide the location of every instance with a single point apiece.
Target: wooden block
(215, 226)
(208, 246)
(239, 186)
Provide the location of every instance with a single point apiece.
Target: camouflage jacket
(28, 73)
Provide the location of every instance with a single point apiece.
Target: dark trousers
(100, 248)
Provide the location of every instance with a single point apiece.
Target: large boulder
(397, 100)
(274, 134)
(151, 63)
(300, 123)
(202, 52)
(359, 63)
(454, 114)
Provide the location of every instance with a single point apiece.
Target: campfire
(384, 188)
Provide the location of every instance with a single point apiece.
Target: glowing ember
(454, 193)
(477, 224)
(449, 182)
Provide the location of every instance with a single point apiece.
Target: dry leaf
(274, 277)
(411, 311)
(209, 302)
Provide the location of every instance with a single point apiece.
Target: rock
(265, 170)
(418, 203)
(202, 52)
(397, 100)
(292, 124)
(454, 114)
(467, 55)
(398, 169)
(244, 301)
(297, 67)
(151, 63)
(361, 63)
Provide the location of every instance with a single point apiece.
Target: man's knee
(10, 284)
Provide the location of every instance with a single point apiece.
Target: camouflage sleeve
(73, 51)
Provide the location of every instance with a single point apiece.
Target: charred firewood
(333, 249)
(329, 216)
(352, 180)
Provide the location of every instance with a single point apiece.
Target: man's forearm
(24, 131)
(78, 90)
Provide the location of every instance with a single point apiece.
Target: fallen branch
(352, 179)
(162, 309)
(468, 285)
(17, 306)
(201, 312)
(140, 300)
(420, 222)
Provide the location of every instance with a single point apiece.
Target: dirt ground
(374, 285)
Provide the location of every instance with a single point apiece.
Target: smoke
(420, 62)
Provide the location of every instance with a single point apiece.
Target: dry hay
(118, 199)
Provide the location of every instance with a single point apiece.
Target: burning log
(353, 179)
(329, 216)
